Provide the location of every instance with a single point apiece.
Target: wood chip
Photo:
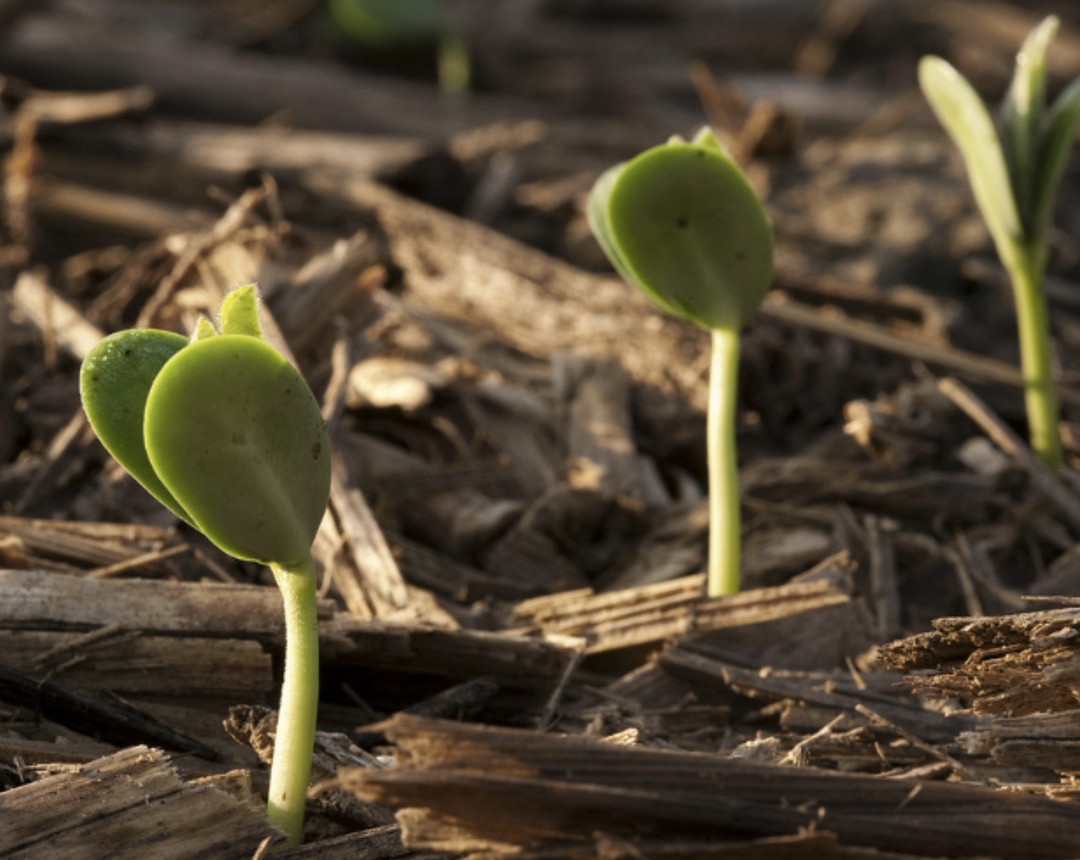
(47, 818)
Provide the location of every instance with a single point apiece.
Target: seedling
(1015, 176)
(387, 25)
(681, 223)
(226, 434)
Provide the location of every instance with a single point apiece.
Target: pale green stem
(724, 519)
(295, 739)
(1034, 329)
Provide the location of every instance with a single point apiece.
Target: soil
(517, 654)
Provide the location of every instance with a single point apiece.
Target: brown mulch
(517, 656)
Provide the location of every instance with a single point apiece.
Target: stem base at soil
(295, 738)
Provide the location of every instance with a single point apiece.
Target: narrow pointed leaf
(1022, 114)
(1058, 134)
(240, 312)
(236, 435)
(964, 116)
(114, 383)
(203, 329)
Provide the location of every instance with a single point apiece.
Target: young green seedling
(681, 223)
(387, 25)
(1015, 177)
(224, 432)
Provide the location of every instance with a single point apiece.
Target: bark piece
(130, 664)
(601, 453)
(469, 787)
(1008, 665)
(831, 691)
(100, 715)
(59, 321)
(465, 654)
(376, 843)
(32, 599)
(131, 806)
(94, 544)
(652, 613)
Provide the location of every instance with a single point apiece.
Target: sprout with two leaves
(1015, 176)
(682, 224)
(226, 434)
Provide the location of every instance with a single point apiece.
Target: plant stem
(295, 739)
(724, 520)
(1034, 329)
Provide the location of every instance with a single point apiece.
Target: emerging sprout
(224, 432)
(1015, 177)
(681, 223)
(389, 25)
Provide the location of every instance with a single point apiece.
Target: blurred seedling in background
(386, 26)
(682, 224)
(1015, 176)
(226, 434)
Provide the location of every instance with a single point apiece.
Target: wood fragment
(884, 588)
(1045, 481)
(599, 446)
(376, 843)
(110, 719)
(832, 690)
(1012, 665)
(372, 586)
(30, 599)
(475, 788)
(60, 457)
(74, 204)
(175, 668)
(135, 791)
(53, 314)
(514, 660)
(652, 613)
(52, 752)
(92, 544)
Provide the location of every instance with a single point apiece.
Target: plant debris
(517, 656)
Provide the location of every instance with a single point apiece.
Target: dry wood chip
(471, 787)
(33, 599)
(510, 659)
(809, 479)
(652, 613)
(1010, 665)
(376, 843)
(95, 544)
(58, 319)
(174, 668)
(97, 714)
(141, 810)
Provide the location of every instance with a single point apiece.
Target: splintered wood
(1012, 665)
(814, 617)
(1020, 673)
(94, 810)
(475, 788)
